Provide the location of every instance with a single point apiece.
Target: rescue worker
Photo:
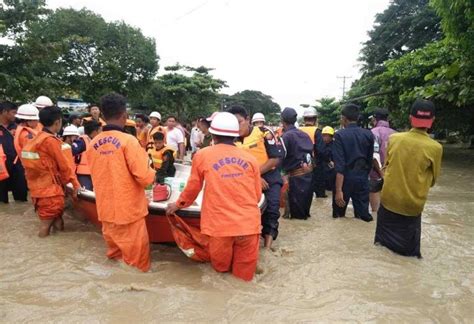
(382, 132)
(267, 149)
(120, 173)
(94, 112)
(327, 159)
(258, 120)
(131, 128)
(26, 130)
(310, 117)
(70, 134)
(48, 171)
(155, 119)
(91, 130)
(143, 127)
(15, 182)
(297, 165)
(353, 151)
(230, 215)
(163, 159)
(413, 165)
(43, 102)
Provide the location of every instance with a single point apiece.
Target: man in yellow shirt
(413, 165)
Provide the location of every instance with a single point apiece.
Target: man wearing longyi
(230, 215)
(119, 169)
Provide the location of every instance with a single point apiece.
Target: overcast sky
(292, 50)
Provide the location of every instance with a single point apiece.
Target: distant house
(75, 105)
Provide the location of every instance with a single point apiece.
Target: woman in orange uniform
(120, 173)
(48, 171)
(230, 215)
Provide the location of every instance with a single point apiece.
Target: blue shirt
(353, 149)
(299, 148)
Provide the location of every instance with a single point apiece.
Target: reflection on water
(321, 269)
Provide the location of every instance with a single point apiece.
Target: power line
(344, 78)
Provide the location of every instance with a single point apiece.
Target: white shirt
(196, 138)
(173, 138)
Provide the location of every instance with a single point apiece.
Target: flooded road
(321, 270)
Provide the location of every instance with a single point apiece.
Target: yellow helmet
(328, 130)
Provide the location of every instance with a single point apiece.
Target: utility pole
(344, 78)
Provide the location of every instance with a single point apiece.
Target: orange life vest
(153, 131)
(157, 156)
(310, 130)
(41, 172)
(255, 145)
(19, 130)
(101, 121)
(83, 165)
(3, 166)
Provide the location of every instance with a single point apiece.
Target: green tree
(329, 112)
(255, 101)
(403, 27)
(70, 52)
(184, 91)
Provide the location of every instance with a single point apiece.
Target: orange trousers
(236, 253)
(49, 207)
(128, 242)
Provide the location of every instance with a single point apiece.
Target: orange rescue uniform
(87, 119)
(229, 213)
(120, 173)
(47, 171)
(23, 135)
(83, 166)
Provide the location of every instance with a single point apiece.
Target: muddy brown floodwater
(321, 270)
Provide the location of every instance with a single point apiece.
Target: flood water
(321, 270)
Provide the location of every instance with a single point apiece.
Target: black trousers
(319, 181)
(355, 187)
(85, 181)
(16, 183)
(272, 213)
(300, 195)
(399, 233)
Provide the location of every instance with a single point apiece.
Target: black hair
(238, 110)
(381, 114)
(143, 117)
(205, 121)
(7, 106)
(72, 117)
(92, 105)
(49, 115)
(158, 136)
(91, 126)
(172, 116)
(131, 130)
(351, 112)
(113, 105)
(223, 139)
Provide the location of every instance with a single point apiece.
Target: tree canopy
(255, 101)
(74, 52)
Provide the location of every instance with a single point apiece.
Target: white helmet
(43, 101)
(210, 118)
(258, 117)
(155, 114)
(225, 124)
(310, 112)
(70, 130)
(27, 112)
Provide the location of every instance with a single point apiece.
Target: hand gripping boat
(159, 228)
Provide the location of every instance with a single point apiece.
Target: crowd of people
(238, 158)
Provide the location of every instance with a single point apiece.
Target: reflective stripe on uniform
(30, 155)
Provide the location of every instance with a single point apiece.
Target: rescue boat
(158, 226)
